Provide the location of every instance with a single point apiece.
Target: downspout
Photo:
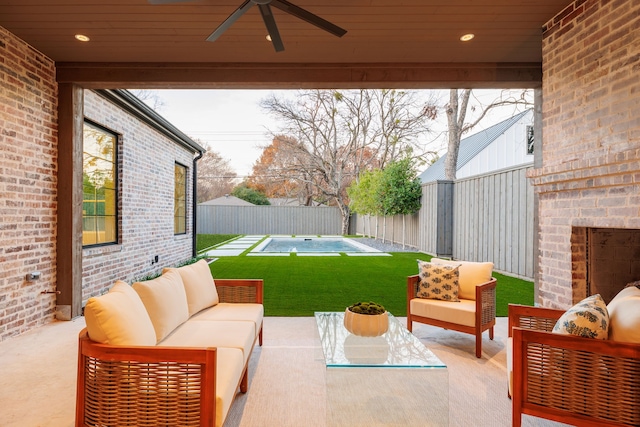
(195, 203)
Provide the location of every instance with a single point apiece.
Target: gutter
(194, 192)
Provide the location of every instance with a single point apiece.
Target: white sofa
(169, 351)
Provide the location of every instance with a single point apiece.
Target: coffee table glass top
(396, 348)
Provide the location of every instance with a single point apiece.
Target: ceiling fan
(269, 20)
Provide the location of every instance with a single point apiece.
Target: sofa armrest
(575, 380)
(536, 318)
(116, 385)
(240, 290)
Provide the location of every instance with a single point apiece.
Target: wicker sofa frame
(155, 386)
(485, 312)
(570, 379)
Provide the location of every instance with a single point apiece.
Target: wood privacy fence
(214, 219)
(481, 218)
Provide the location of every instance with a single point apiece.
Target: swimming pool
(311, 245)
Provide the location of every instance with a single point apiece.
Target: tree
(276, 175)
(334, 135)
(249, 194)
(400, 190)
(456, 111)
(363, 194)
(215, 176)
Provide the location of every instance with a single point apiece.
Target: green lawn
(298, 286)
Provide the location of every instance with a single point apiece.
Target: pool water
(312, 244)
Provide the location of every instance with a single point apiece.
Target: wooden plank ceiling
(387, 40)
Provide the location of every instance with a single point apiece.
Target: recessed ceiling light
(82, 37)
(467, 37)
(268, 37)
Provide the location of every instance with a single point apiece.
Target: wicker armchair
(157, 386)
(570, 379)
(482, 317)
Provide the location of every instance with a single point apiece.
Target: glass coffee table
(389, 380)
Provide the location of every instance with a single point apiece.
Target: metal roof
(470, 147)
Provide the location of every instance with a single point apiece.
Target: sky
(232, 123)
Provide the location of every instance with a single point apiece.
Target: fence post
(444, 219)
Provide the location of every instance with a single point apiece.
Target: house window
(530, 139)
(100, 199)
(180, 200)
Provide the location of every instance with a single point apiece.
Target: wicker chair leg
(491, 333)
(479, 344)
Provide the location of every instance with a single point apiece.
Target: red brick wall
(28, 179)
(590, 170)
(146, 184)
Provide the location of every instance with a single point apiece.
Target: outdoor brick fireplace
(603, 260)
(587, 172)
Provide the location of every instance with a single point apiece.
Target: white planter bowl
(366, 325)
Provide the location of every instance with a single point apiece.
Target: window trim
(116, 157)
(186, 196)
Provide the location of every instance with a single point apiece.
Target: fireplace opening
(604, 261)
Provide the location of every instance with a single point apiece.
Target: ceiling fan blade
(230, 20)
(309, 17)
(167, 1)
(272, 28)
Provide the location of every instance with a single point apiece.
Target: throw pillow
(438, 281)
(119, 318)
(589, 319)
(198, 285)
(472, 274)
(624, 316)
(166, 302)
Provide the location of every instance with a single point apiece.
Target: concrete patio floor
(38, 371)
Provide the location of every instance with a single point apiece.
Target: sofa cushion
(119, 318)
(461, 313)
(588, 318)
(246, 312)
(166, 302)
(624, 316)
(229, 367)
(472, 274)
(199, 285)
(438, 281)
(221, 333)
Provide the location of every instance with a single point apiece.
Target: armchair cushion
(119, 318)
(589, 319)
(166, 302)
(438, 281)
(624, 316)
(198, 284)
(471, 275)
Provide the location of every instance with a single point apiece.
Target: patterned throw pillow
(438, 281)
(589, 319)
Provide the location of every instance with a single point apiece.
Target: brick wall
(590, 174)
(146, 184)
(28, 179)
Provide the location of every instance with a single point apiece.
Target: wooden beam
(69, 238)
(296, 76)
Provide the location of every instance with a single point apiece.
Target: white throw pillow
(624, 316)
(166, 302)
(589, 319)
(472, 274)
(199, 286)
(119, 318)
